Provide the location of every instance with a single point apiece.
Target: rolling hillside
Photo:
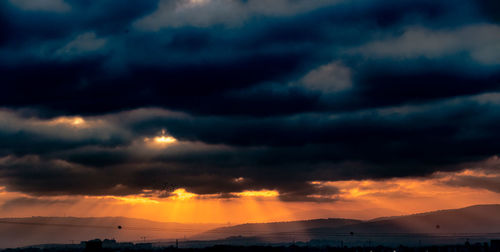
(475, 223)
(259, 229)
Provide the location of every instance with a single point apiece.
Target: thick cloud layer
(278, 94)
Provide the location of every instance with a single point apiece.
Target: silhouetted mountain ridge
(447, 225)
(252, 229)
(477, 207)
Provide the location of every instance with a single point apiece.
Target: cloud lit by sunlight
(165, 139)
(198, 2)
(239, 179)
(74, 121)
(160, 141)
(261, 193)
(182, 194)
(129, 199)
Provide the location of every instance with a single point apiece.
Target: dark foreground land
(493, 246)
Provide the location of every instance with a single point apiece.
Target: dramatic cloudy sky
(314, 107)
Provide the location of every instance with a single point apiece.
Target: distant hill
(256, 229)
(476, 223)
(474, 219)
(17, 232)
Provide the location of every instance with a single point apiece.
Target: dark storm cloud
(491, 8)
(484, 175)
(60, 19)
(283, 153)
(27, 135)
(278, 94)
(491, 183)
(202, 69)
(39, 176)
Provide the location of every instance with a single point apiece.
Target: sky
(234, 111)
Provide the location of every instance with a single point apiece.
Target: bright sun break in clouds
(160, 141)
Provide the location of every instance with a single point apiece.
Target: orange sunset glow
(360, 199)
